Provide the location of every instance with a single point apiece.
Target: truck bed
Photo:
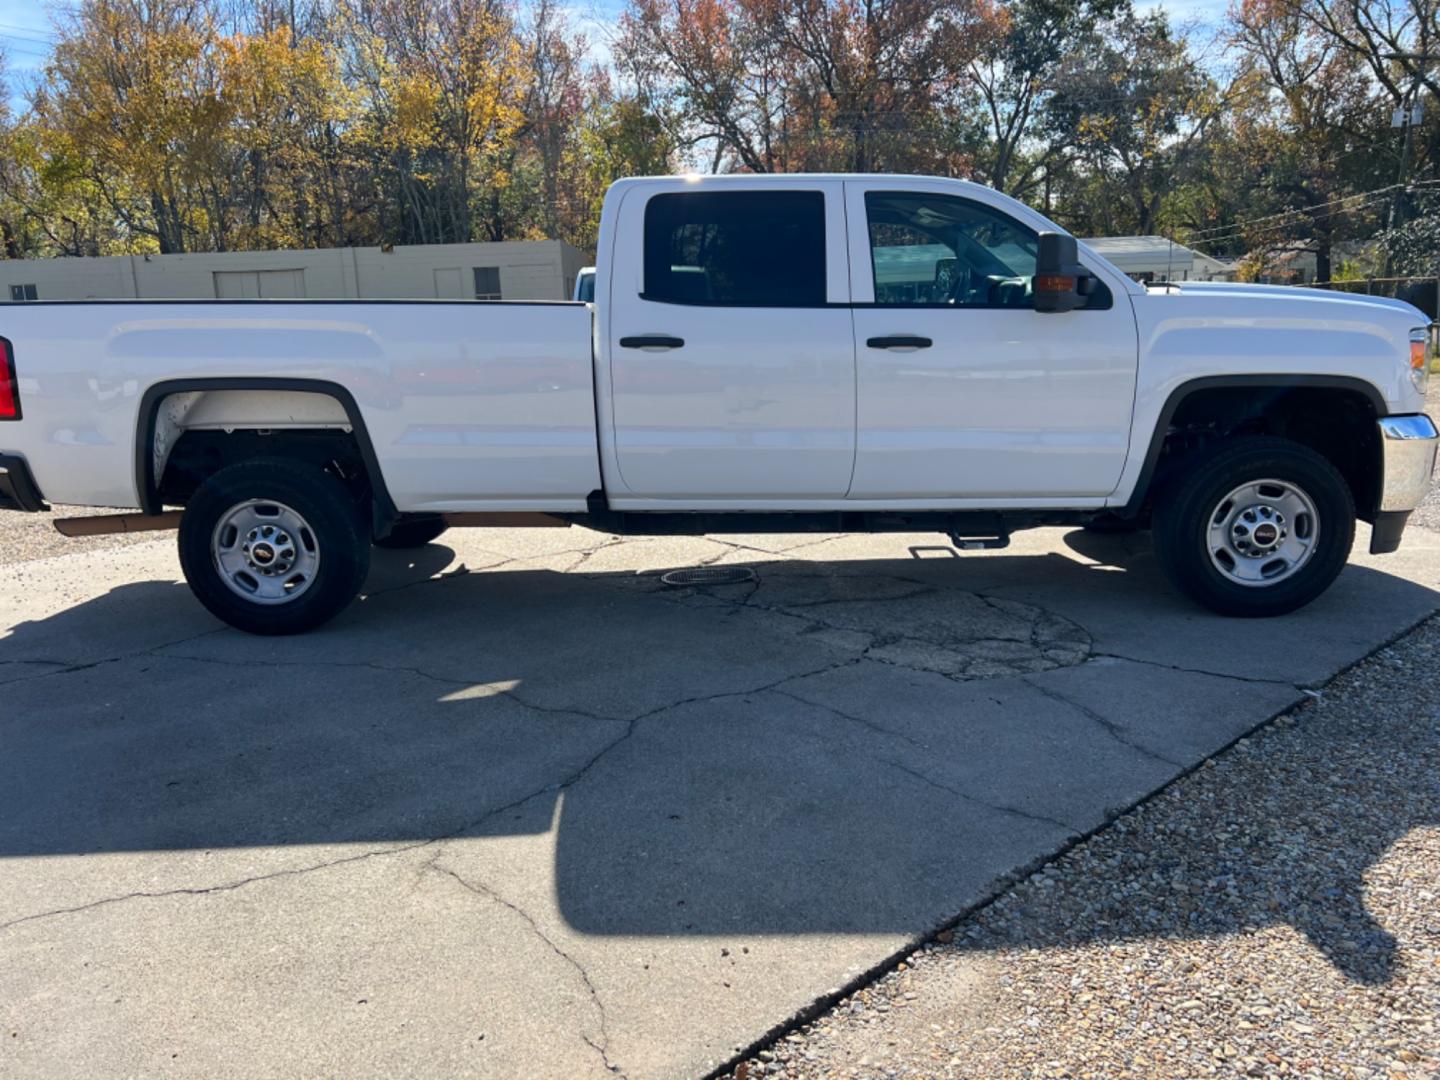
(470, 405)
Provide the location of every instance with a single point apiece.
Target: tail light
(9, 386)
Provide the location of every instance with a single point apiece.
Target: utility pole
(1407, 115)
(1407, 118)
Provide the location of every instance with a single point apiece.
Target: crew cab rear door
(963, 389)
(731, 356)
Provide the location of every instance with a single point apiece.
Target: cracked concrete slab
(375, 968)
(1006, 742)
(250, 767)
(525, 791)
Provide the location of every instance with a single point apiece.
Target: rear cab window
(736, 248)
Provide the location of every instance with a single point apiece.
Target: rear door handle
(900, 341)
(652, 341)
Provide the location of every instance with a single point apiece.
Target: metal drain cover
(709, 575)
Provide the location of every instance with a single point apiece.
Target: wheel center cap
(1266, 534)
(263, 554)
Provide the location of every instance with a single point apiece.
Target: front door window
(946, 251)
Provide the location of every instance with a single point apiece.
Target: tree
(288, 112)
(1307, 117)
(129, 98)
(777, 85)
(1137, 109)
(1013, 76)
(441, 83)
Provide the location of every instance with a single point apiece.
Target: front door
(731, 356)
(964, 390)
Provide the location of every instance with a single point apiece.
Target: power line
(1240, 233)
(1204, 237)
(23, 49)
(32, 33)
(1308, 210)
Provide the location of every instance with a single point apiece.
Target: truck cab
(826, 342)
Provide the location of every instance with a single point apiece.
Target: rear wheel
(1258, 526)
(273, 546)
(413, 533)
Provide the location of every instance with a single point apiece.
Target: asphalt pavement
(526, 810)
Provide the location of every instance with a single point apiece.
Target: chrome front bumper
(1407, 461)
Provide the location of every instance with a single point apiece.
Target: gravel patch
(24, 537)
(1275, 913)
(1428, 514)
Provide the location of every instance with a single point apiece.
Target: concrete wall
(529, 270)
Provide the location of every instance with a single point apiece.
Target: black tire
(338, 539)
(413, 533)
(1184, 509)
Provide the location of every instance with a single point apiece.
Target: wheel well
(1337, 422)
(190, 428)
(196, 455)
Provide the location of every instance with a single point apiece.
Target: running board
(105, 524)
(504, 519)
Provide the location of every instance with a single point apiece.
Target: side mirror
(1061, 283)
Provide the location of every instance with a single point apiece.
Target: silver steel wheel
(265, 552)
(1263, 532)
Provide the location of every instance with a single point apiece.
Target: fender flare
(1351, 383)
(146, 483)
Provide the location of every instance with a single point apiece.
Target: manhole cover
(709, 575)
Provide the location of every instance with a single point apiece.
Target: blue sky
(26, 33)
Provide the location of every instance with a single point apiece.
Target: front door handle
(900, 341)
(652, 341)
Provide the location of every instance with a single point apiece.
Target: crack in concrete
(1202, 671)
(61, 669)
(803, 611)
(484, 891)
(586, 554)
(1039, 819)
(372, 665)
(1115, 731)
(885, 732)
(69, 667)
(221, 887)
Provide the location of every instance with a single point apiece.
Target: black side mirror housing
(1061, 283)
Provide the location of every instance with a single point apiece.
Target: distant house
(1287, 266)
(1158, 258)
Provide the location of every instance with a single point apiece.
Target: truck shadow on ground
(841, 747)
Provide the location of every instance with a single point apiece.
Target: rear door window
(736, 248)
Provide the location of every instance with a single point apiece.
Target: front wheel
(1258, 526)
(272, 546)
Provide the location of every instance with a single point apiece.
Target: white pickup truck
(763, 353)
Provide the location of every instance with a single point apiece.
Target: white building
(519, 270)
(1156, 258)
